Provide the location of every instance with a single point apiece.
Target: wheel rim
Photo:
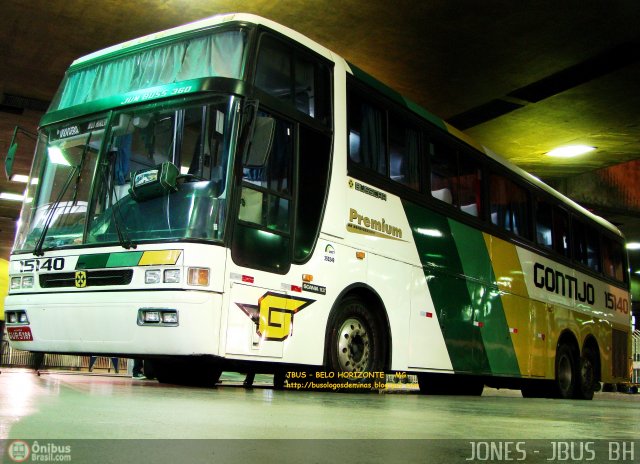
(587, 373)
(564, 373)
(354, 346)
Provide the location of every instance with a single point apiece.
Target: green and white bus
(231, 195)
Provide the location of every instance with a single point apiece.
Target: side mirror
(13, 148)
(260, 143)
(11, 155)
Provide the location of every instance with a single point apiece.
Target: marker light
(152, 276)
(570, 151)
(198, 276)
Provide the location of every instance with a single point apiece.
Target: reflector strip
(248, 279)
(513, 330)
(541, 336)
(478, 324)
(426, 314)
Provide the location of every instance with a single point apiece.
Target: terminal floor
(56, 405)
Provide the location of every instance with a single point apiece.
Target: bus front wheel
(357, 341)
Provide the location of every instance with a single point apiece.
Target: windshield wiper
(37, 251)
(116, 215)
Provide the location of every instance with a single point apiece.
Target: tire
(586, 380)
(566, 381)
(357, 343)
(450, 384)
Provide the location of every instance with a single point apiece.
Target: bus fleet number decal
(35, 265)
(619, 304)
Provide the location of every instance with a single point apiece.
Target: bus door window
(313, 173)
(262, 235)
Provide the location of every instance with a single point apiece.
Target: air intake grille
(94, 278)
(620, 356)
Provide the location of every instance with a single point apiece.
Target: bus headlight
(27, 282)
(152, 276)
(16, 283)
(171, 276)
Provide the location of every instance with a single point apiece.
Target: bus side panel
(526, 319)
(448, 288)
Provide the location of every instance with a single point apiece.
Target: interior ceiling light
(633, 246)
(569, 151)
(19, 178)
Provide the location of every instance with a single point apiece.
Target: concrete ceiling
(519, 77)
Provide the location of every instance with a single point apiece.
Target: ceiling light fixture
(11, 196)
(633, 246)
(19, 178)
(570, 151)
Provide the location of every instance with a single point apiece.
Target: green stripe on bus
(105, 260)
(488, 312)
(449, 291)
(124, 259)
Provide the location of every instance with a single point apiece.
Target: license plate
(20, 334)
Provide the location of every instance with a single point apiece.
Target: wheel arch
(567, 337)
(372, 298)
(590, 343)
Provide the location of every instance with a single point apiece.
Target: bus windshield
(83, 195)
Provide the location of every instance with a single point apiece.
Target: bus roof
(212, 21)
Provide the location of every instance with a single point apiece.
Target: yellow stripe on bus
(526, 318)
(157, 258)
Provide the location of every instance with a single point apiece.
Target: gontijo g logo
(274, 313)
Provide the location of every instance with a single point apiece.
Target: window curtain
(371, 140)
(216, 55)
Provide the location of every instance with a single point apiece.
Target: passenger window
(544, 224)
(366, 134)
(293, 76)
(442, 162)
(403, 152)
(470, 185)
(586, 245)
(509, 205)
(613, 259)
(561, 232)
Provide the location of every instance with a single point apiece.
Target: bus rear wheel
(357, 343)
(586, 381)
(566, 372)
